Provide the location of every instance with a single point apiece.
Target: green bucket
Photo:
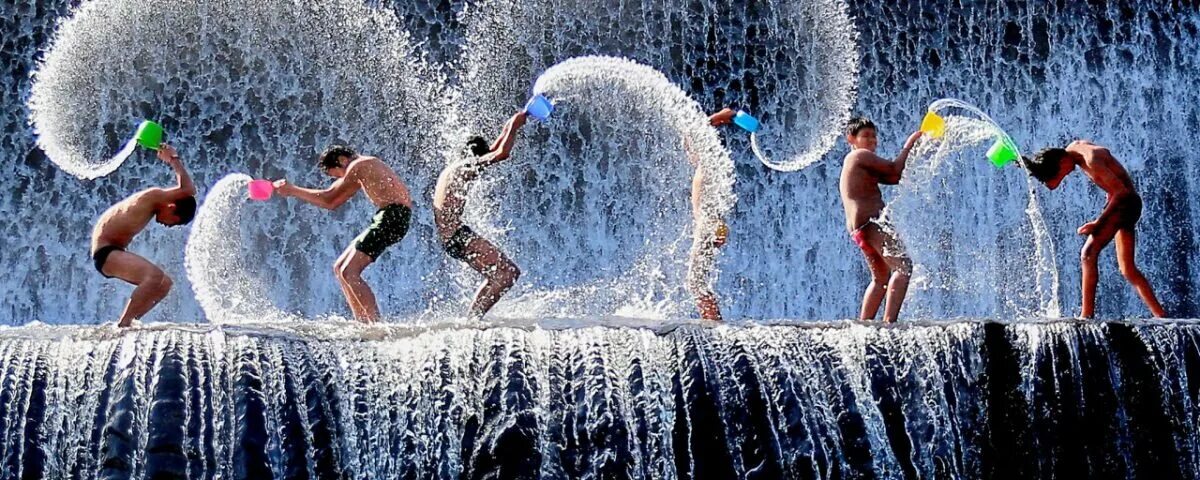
(1002, 152)
(149, 135)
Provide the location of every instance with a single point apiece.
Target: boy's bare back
(1102, 168)
(379, 182)
(123, 221)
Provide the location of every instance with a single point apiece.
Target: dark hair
(1046, 164)
(185, 208)
(329, 158)
(478, 146)
(857, 124)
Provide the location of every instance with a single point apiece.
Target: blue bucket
(747, 122)
(540, 107)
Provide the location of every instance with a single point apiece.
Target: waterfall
(588, 370)
(951, 400)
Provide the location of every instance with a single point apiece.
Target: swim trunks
(860, 238)
(456, 245)
(892, 248)
(388, 226)
(101, 257)
(1131, 212)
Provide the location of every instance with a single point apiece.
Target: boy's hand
(282, 187)
(1087, 228)
(912, 140)
(167, 154)
(723, 117)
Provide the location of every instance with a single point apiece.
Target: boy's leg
(152, 284)
(1089, 266)
(499, 273)
(897, 260)
(701, 260)
(355, 307)
(878, 267)
(351, 273)
(1126, 241)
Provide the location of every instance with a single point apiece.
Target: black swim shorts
(1131, 212)
(101, 257)
(456, 245)
(388, 226)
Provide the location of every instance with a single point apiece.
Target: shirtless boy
(1117, 221)
(862, 173)
(353, 172)
(118, 225)
(708, 235)
(459, 241)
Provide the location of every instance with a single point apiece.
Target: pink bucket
(261, 189)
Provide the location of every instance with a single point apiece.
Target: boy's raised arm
(185, 187)
(502, 147)
(330, 198)
(890, 172)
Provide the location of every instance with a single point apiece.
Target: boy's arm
(331, 198)
(184, 187)
(890, 172)
(723, 117)
(502, 147)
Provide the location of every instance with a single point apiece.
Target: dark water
(955, 400)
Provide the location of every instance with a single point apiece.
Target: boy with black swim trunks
(120, 223)
(862, 173)
(383, 187)
(462, 243)
(1117, 221)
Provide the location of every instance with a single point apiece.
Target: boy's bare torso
(1103, 169)
(123, 221)
(450, 195)
(859, 188)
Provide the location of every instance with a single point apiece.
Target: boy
(118, 225)
(353, 172)
(862, 173)
(702, 256)
(459, 240)
(1117, 221)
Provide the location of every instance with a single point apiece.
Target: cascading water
(1004, 265)
(260, 86)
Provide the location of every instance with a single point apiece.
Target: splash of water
(620, 130)
(970, 260)
(227, 270)
(259, 75)
(802, 83)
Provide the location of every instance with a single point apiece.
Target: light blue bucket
(747, 122)
(540, 107)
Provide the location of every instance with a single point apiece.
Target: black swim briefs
(101, 257)
(456, 245)
(388, 226)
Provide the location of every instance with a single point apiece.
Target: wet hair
(329, 158)
(185, 208)
(1046, 164)
(857, 124)
(478, 146)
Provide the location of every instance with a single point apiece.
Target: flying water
(1011, 256)
(619, 130)
(800, 79)
(226, 265)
